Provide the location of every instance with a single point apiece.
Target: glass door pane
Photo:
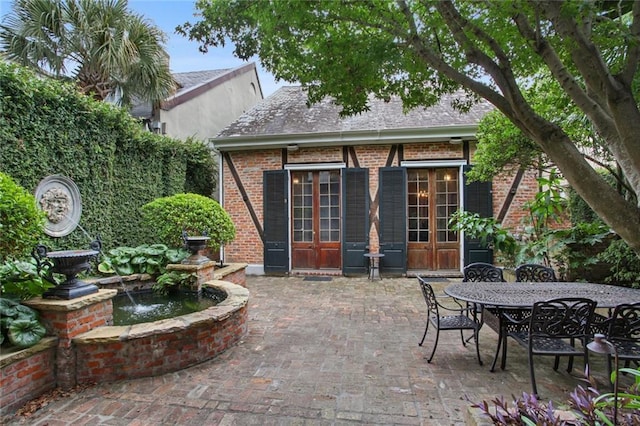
(446, 203)
(329, 206)
(302, 189)
(418, 200)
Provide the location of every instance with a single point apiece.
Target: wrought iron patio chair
(450, 318)
(554, 328)
(481, 271)
(531, 272)
(624, 333)
(528, 272)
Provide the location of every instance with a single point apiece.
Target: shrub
(165, 219)
(625, 268)
(21, 279)
(21, 222)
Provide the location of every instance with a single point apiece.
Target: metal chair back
(554, 327)
(430, 299)
(531, 272)
(624, 330)
(568, 318)
(480, 271)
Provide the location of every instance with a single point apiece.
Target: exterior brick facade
(285, 136)
(249, 165)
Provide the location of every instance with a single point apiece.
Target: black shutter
(276, 221)
(393, 220)
(477, 199)
(355, 220)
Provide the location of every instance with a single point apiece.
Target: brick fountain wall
(86, 347)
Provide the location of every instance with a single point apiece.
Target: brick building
(311, 192)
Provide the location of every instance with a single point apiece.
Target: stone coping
(237, 298)
(61, 305)
(10, 355)
(228, 269)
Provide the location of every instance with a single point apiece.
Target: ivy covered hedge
(48, 128)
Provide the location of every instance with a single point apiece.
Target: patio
(343, 351)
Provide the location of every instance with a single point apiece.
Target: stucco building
(205, 102)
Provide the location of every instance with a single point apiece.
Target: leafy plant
(19, 324)
(21, 222)
(625, 268)
(540, 241)
(20, 279)
(144, 259)
(173, 279)
(580, 235)
(586, 403)
(166, 218)
(487, 230)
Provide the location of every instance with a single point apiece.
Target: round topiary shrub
(165, 219)
(21, 222)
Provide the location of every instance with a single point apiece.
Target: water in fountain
(84, 231)
(152, 306)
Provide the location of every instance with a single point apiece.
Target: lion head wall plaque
(59, 197)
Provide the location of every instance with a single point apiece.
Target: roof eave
(344, 138)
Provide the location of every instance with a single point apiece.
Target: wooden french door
(315, 212)
(432, 197)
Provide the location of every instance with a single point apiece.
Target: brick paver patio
(322, 353)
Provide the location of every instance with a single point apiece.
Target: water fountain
(68, 263)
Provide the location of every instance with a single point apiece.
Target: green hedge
(48, 128)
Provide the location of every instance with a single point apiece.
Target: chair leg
(570, 364)
(476, 333)
(495, 359)
(464, 343)
(435, 345)
(503, 363)
(426, 328)
(533, 375)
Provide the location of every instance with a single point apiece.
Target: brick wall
(248, 247)
(158, 352)
(27, 374)
(100, 353)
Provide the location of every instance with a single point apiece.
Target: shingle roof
(186, 81)
(286, 112)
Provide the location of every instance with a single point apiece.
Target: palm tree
(109, 51)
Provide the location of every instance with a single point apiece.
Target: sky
(184, 54)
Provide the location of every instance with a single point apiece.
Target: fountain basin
(86, 347)
(112, 353)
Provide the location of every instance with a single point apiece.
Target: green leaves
(20, 279)
(487, 230)
(21, 222)
(165, 219)
(19, 324)
(100, 45)
(144, 259)
(47, 127)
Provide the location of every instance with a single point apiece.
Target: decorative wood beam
(243, 192)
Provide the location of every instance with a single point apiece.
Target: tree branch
(433, 59)
(633, 53)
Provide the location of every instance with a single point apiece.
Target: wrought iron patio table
(522, 295)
